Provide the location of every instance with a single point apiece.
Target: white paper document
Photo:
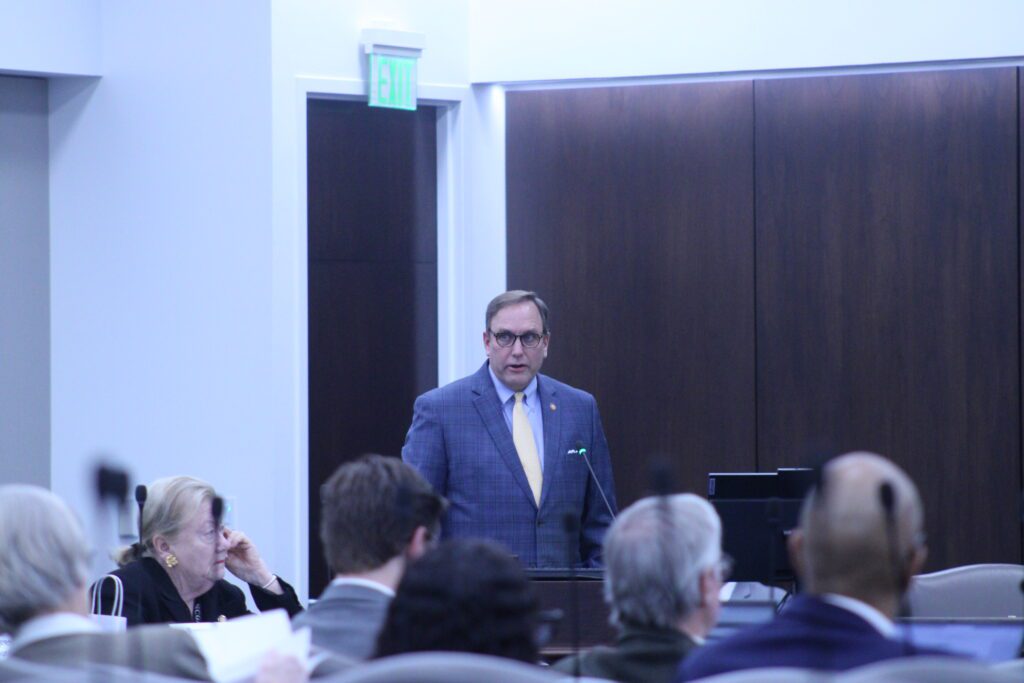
(234, 649)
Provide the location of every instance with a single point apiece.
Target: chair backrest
(446, 667)
(975, 590)
(780, 674)
(1014, 668)
(924, 670)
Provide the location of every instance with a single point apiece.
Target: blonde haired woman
(175, 573)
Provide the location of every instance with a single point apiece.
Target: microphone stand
(887, 497)
(571, 525)
(111, 497)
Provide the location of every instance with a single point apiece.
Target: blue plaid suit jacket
(459, 441)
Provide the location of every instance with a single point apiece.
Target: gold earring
(170, 560)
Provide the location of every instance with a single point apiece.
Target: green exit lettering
(392, 82)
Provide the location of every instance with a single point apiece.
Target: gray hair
(44, 557)
(170, 504)
(654, 554)
(848, 545)
(512, 297)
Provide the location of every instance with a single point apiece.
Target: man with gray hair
(44, 565)
(663, 571)
(859, 542)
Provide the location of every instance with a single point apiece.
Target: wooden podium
(554, 589)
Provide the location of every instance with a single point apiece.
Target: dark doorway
(372, 259)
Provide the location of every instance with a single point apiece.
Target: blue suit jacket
(459, 441)
(809, 633)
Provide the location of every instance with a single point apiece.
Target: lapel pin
(222, 618)
(552, 406)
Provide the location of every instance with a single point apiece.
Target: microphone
(571, 525)
(887, 497)
(1020, 652)
(111, 484)
(140, 498)
(217, 508)
(583, 452)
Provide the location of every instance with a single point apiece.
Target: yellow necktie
(522, 437)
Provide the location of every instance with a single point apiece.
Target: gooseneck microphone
(141, 493)
(1020, 652)
(887, 497)
(581, 450)
(217, 508)
(571, 526)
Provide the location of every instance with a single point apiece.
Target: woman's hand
(244, 561)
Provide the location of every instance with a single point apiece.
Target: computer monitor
(758, 510)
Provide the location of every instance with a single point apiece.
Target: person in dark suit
(503, 446)
(174, 574)
(377, 516)
(44, 566)
(663, 571)
(859, 543)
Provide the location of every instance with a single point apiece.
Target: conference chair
(14, 670)
(780, 674)
(448, 667)
(990, 591)
(925, 670)
(1013, 668)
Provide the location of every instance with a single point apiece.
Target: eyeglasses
(505, 339)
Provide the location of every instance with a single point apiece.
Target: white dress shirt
(365, 583)
(879, 621)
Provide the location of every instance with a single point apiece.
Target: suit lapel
(554, 458)
(488, 406)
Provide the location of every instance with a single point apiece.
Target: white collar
(365, 583)
(504, 393)
(52, 626)
(879, 621)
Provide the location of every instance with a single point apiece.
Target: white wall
(42, 37)
(538, 40)
(177, 193)
(316, 50)
(24, 283)
(161, 253)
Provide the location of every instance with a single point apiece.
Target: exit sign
(392, 82)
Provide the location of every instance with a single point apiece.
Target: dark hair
(370, 508)
(516, 296)
(463, 596)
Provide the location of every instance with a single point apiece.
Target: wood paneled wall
(372, 260)
(749, 274)
(631, 210)
(887, 287)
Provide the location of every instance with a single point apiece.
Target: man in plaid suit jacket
(461, 441)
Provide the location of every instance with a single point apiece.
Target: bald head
(858, 539)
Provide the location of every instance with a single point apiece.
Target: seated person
(859, 543)
(663, 572)
(377, 515)
(174, 574)
(463, 596)
(44, 569)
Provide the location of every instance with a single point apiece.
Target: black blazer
(151, 598)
